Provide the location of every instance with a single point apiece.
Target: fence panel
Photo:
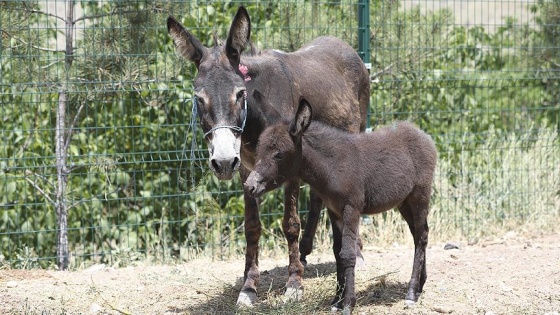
(130, 167)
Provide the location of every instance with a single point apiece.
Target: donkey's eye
(279, 155)
(240, 95)
(199, 100)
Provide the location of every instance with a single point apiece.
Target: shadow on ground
(319, 281)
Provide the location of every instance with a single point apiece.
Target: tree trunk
(61, 147)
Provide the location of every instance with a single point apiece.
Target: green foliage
(509, 179)
(468, 82)
(26, 258)
(546, 55)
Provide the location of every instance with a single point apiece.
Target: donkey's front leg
(291, 228)
(350, 228)
(248, 294)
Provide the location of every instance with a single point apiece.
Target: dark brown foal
(354, 174)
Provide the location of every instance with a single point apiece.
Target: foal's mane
(321, 135)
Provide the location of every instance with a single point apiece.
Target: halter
(234, 128)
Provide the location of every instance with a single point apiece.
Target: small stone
(95, 308)
(449, 246)
(12, 284)
(442, 310)
(505, 288)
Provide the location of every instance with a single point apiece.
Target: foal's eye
(279, 155)
(240, 95)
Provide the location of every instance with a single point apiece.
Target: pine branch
(44, 13)
(112, 13)
(31, 45)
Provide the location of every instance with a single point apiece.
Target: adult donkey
(232, 93)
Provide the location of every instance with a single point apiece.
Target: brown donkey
(354, 174)
(232, 91)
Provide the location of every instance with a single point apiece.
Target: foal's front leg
(336, 224)
(306, 242)
(345, 234)
(291, 227)
(350, 228)
(248, 294)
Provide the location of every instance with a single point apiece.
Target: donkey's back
(330, 74)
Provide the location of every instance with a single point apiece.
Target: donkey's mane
(323, 136)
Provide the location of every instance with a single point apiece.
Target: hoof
(246, 298)
(293, 294)
(303, 261)
(360, 262)
(409, 303)
(347, 310)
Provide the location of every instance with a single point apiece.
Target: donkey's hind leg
(306, 243)
(415, 211)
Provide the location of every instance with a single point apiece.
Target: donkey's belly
(380, 208)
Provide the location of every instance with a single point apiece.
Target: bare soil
(509, 275)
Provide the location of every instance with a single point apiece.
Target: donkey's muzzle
(254, 185)
(224, 168)
(224, 148)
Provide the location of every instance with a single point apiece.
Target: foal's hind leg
(415, 211)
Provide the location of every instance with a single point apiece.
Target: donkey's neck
(323, 148)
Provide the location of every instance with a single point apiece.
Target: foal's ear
(238, 36)
(185, 42)
(302, 120)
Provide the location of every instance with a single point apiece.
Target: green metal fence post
(363, 41)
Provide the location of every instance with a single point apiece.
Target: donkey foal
(354, 174)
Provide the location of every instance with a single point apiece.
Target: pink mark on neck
(244, 70)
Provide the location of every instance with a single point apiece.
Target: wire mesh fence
(95, 98)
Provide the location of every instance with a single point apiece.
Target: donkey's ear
(239, 35)
(302, 120)
(185, 42)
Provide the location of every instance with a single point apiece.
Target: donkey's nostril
(215, 165)
(235, 163)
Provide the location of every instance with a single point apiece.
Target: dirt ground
(510, 275)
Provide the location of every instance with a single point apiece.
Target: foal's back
(386, 165)
(398, 159)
